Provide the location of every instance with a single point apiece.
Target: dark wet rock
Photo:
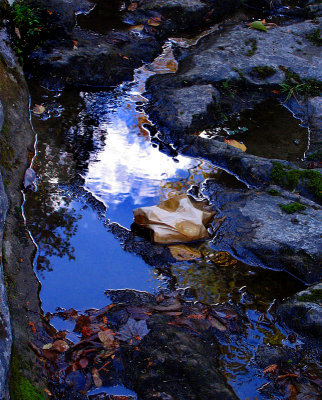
(232, 55)
(16, 145)
(185, 107)
(184, 365)
(94, 61)
(5, 325)
(257, 230)
(267, 355)
(85, 58)
(230, 61)
(303, 312)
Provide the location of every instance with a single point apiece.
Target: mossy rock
(292, 178)
(20, 387)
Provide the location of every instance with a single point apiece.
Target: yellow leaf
(38, 109)
(236, 144)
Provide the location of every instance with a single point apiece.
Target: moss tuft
(273, 192)
(291, 178)
(314, 296)
(253, 47)
(316, 156)
(315, 37)
(263, 72)
(292, 207)
(20, 387)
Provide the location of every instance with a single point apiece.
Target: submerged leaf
(184, 253)
(132, 330)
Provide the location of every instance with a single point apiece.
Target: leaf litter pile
(114, 336)
(145, 341)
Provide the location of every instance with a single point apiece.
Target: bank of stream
(99, 157)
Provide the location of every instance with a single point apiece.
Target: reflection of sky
(129, 170)
(100, 263)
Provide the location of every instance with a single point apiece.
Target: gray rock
(1, 116)
(183, 105)
(30, 177)
(257, 231)
(303, 312)
(5, 326)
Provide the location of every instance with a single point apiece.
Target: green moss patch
(293, 85)
(315, 37)
(20, 387)
(291, 178)
(273, 192)
(263, 72)
(316, 156)
(314, 296)
(253, 47)
(292, 207)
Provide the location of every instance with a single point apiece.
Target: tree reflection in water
(65, 145)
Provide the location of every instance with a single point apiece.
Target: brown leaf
(50, 355)
(107, 338)
(60, 346)
(82, 320)
(83, 362)
(17, 32)
(96, 378)
(133, 6)
(137, 28)
(271, 369)
(184, 253)
(155, 21)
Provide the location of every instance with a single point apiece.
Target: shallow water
(267, 130)
(103, 138)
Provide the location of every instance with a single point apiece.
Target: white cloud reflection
(129, 166)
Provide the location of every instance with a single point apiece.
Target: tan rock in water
(179, 219)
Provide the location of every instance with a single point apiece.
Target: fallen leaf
(184, 253)
(60, 346)
(137, 28)
(132, 329)
(82, 320)
(107, 338)
(133, 6)
(38, 109)
(48, 392)
(155, 21)
(83, 362)
(271, 369)
(32, 325)
(47, 346)
(258, 25)
(50, 355)
(96, 378)
(17, 32)
(236, 144)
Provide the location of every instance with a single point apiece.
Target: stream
(98, 157)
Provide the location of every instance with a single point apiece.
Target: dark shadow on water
(105, 17)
